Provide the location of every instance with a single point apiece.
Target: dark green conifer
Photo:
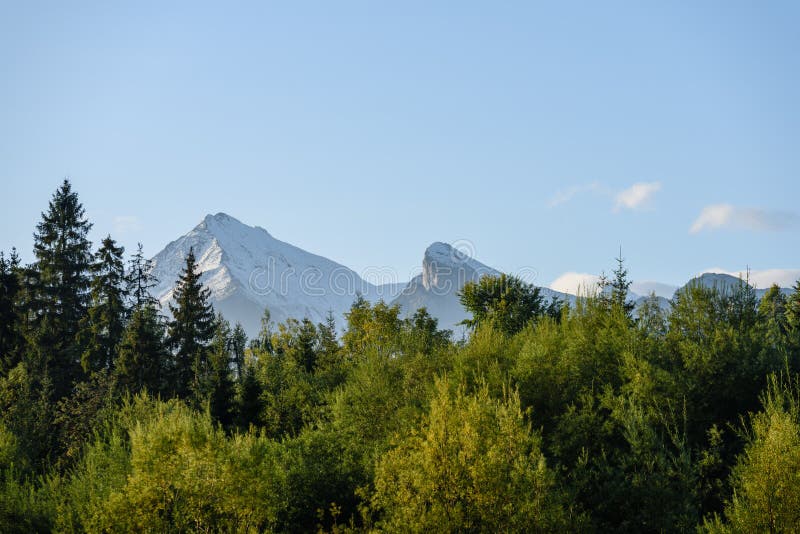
(140, 280)
(143, 361)
(103, 326)
(238, 346)
(10, 288)
(219, 382)
(190, 330)
(60, 295)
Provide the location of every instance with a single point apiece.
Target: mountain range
(247, 270)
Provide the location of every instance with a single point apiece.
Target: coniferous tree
(238, 346)
(620, 286)
(60, 292)
(143, 361)
(305, 346)
(249, 402)
(330, 370)
(190, 331)
(10, 287)
(264, 339)
(105, 322)
(220, 384)
(327, 335)
(793, 316)
(140, 280)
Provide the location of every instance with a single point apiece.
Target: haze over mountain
(248, 270)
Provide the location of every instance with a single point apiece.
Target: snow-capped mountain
(445, 270)
(248, 270)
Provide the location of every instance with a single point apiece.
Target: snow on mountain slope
(247, 269)
(445, 270)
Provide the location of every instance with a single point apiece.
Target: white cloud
(563, 196)
(126, 223)
(576, 283)
(727, 216)
(763, 278)
(637, 196)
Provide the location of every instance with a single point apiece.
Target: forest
(119, 416)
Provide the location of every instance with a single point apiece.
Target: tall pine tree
(221, 390)
(619, 286)
(143, 361)
(59, 296)
(190, 331)
(238, 346)
(10, 287)
(105, 322)
(140, 280)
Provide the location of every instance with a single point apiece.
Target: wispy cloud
(637, 196)
(727, 216)
(565, 195)
(126, 223)
(576, 283)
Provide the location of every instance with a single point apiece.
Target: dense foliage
(548, 418)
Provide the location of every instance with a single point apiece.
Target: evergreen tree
(620, 286)
(793, 315)
(330, 370)
(327, 335)
(104, 324)
(264, 340)
(140, 280)
(143, 361)
(304, 349)
(60, 292)
(190, 331)
(220, 382)
(238, 346)
(10, 288)
(249, 403)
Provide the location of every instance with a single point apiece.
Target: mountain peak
(222, 219)
(443, 262)
(443, 253)
(223, 224)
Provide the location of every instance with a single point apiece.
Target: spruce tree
(329, 347)
(329, 370)
(249, 390)
(620, 286)
(305, 346)
(143, 360)
(792, 315)
(190, 330)
(10, 288)
(220, 382)
(238, 346)
(105, 322)
(140, 280)
(60, 289)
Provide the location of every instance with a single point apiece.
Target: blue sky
(547, 135)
